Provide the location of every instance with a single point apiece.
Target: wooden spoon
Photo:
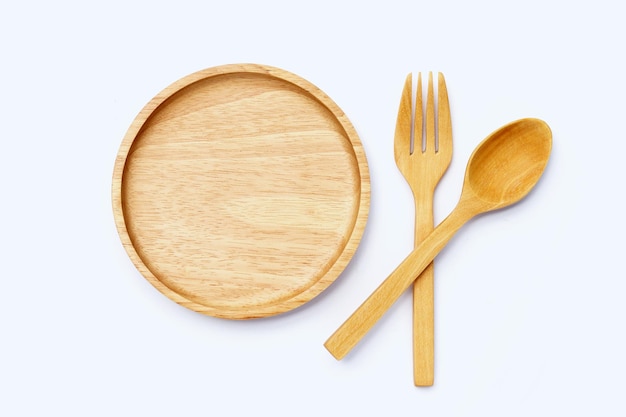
(501, 171)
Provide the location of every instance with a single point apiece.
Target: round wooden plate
(241, 191)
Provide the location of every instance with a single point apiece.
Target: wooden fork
(423, 163)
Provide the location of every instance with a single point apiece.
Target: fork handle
(423, 299)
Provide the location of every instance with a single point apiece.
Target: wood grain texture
(241, 191)
(501, 171)
(422, 164)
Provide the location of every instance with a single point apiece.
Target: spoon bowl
(508, 163)
(501, 171)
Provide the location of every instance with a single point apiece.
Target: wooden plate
(241, 191)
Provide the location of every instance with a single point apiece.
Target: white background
(529, 300)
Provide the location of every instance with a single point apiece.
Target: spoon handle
(375, 306)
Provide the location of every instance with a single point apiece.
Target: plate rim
(353, 240)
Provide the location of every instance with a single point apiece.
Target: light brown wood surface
(241, 191)
(501, 171)
(423, 165)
